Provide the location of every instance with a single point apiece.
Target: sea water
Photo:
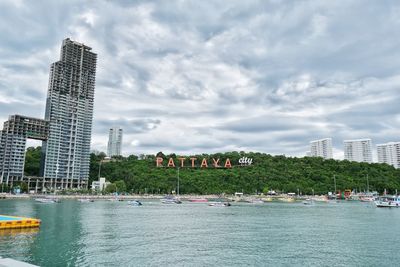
(105, 233)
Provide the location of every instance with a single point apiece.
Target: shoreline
(160, 196)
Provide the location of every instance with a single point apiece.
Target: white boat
(308, 201)
(220, 204)
(256, 201)
(85, 200)
(388, 202)
(135, 203)
(367, 199)
(171, 200)
(47, 200)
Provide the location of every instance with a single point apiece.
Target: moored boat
(220, 204)
(135, 203)
(47, 200)
(85, 200)
(367, 199)
(308, 201)
(171, 200)
(388, 202)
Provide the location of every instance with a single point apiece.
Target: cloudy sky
(214, 76)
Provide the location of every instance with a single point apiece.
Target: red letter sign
(204, 163)
(171, 163)
(228, 164)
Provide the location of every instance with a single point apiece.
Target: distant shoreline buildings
(358, 150)
(389, 153)
(114, 146)
(321, 148)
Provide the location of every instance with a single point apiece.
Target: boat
(85, 200)
(47, 200)
(367, 198)
(388, 202)
(135, 203)
(198, 200)
(171, 200)
(308, 201)
(255, 201)
(220, 204)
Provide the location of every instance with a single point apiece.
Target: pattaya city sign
(202, 163)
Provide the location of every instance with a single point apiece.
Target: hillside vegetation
(280, 173)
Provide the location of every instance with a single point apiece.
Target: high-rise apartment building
(65, 131)
(321, 148)
(359, 150)
(114, 142)
(389, 153)
(69, 110)
(12, 145)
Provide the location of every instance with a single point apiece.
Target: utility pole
(178, 182)
(99, 168)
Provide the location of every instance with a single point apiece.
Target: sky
(190, 77)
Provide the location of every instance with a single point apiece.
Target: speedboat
(171, 200)
(47, 200)
(135, 203)
(388, 202)
(85, 200)
(308, 201)
(220, 204)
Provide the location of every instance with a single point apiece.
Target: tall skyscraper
(359, 150)
(69, 110)
(389, 153)
(321, 148)
(114, 142)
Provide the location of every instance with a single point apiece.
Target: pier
(12, 222)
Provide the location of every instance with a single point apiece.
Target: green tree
(120, 186)
(111, 188)
(32, 161)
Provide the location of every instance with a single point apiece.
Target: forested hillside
(267, 172)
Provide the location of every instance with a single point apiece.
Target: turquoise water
(6, 218)
(107, 233)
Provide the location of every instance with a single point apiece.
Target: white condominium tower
(359, 150)
(389, 153)
(114, 142)
(69, 110)
(321, 148)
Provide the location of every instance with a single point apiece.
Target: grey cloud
(129, 126)
(277, 73)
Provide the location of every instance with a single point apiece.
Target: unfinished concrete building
(12, 145)
(66, 129)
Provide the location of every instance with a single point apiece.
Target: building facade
(359, 150)
(114, 142)
(65, 131)
(321, 148)
(389, 153)
(69, 111)
(100, 185)
(12, 145)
